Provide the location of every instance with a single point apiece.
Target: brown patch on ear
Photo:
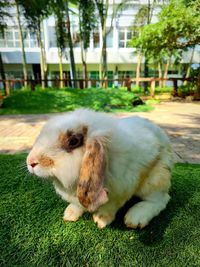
(90, 191)
(70, 140)
(46, 161)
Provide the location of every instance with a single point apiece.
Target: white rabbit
(98, 162)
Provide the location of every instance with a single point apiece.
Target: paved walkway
(180, 120)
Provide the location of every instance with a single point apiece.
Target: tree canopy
(4, 13)
(178, 28)
(35, 11)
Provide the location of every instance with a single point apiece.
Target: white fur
(141, 213)
(132, 145)
(72, 213)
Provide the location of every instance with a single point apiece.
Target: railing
(9, 84)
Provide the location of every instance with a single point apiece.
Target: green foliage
(164, 89)
(143, 16)
(185, 90)
(181, 24)
(152, 102)
(33, 233)
(4, 13)
(57, 100)
(87, 20)
(158, 90)
(177, 28)
(34, 11)
(58, 9)
(102, 9)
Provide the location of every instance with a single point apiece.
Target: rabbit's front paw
(102, 220)
(72, 213)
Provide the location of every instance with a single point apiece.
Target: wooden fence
(9, 84)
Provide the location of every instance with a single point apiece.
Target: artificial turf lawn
(34, 234)
(59, 100)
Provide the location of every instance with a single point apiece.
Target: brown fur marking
(91, 173)
(46, 161)
(146, 171)
(64, 139)
(154, 177)
(70, 140)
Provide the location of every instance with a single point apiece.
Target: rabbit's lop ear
(90, 191)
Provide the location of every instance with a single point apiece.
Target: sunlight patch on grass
(57, 100)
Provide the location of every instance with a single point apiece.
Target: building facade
(120, 57)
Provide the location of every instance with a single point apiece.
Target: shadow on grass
(185, 136)
(180, 196)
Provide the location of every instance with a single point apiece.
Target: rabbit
(97, 162)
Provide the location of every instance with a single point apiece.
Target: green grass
(158, 90)
(33, 233)
(57, 100)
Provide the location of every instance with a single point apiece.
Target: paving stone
(181, 121)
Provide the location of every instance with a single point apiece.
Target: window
(109, 39)
(30, 39)
(16, 74)
(2, 42)
(33, 40)
(11, 38)
(125, 35)
(52, 36)
(25, 36)
(16, 38)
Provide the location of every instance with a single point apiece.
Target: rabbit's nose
(33, 164)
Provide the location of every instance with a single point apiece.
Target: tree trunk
(152, 88)
(3, 76)
(45, 60)
(104, 55)
(21, 39)
(138, 69)
(60, 68)
(42, 57)
(197, 92)
(189, 66)
(71, 52)
(146, 63)
(83, 58)
(43, 65)
(85, 76)
(146, 74)
(160, 74)
(166, 71)
(103, 58)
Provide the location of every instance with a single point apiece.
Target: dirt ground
(180, 120)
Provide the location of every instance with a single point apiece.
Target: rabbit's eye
(75, 141)
(71, 141)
